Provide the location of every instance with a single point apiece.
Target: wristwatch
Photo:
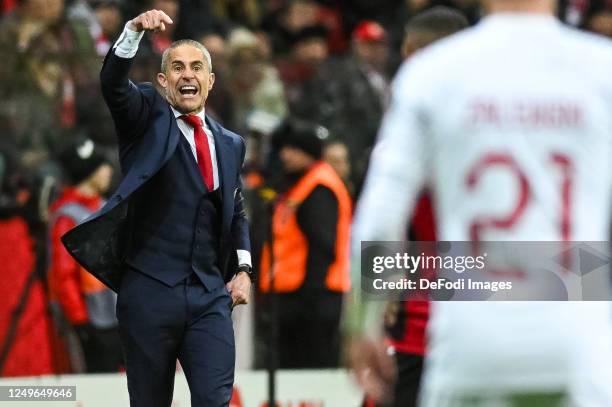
(248, 270)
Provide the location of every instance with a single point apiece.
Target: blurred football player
(507, 122)
(406, 320)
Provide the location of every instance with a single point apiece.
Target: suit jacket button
(144, 176)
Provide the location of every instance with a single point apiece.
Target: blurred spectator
(259, 198)
(572, 11)
(49, 79)
(25, 329)
(308, 50)
(308, 255)
(108, 14)
(81, 10)
(297, 70)
(285, 23)
(7, 6)
(220, 103)
(264, 44)
(195, 18)
(87, 304)
(239, 12)
(217, 47)
(260, 127)
(254, 81)
(349, 95)
(336, 154)
(370, 47)
(355, 11)
(598, 18)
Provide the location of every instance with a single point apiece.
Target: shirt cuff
(244, 257)
(127, 44)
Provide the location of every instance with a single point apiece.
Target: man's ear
(211, 80)
(162, 80)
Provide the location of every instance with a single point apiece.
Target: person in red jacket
(85, 302)
(25, 335)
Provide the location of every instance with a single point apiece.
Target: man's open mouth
(188, 90)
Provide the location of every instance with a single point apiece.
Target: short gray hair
(176, 44)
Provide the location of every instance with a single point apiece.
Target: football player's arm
(396, 175)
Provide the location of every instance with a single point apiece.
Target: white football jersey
(509, 123)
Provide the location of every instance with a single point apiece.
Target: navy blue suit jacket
(148, 136)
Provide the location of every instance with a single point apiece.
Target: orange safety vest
(88, 283)
(290, 247)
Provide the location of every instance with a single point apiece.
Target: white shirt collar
(201, 114)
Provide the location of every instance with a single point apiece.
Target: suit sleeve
(240, 224)
(129, 105)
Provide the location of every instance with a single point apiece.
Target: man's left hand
(373, 367)
(239, 288)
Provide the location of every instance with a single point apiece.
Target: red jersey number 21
(507, 221)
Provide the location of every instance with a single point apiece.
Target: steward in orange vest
(308, 255)
(291, 248)
(80, 299)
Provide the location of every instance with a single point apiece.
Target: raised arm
(129, 104)
(396, 175)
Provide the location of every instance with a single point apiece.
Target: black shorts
(409, 371)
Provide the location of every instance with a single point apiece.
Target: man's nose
(188, 73)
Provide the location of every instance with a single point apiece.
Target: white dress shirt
(189, 134)
(126, 47)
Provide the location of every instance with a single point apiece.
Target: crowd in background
(277, 63)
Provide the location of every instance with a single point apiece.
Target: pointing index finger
(165, 18)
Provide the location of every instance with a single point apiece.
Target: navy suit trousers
(159, 324)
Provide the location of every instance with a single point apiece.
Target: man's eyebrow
(177, 61)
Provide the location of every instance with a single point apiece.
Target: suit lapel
(224, 152)
(175, 134)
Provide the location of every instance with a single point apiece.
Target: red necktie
(202, 149)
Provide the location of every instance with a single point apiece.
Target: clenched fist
(152, 20)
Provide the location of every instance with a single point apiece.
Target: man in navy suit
(173, 239)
